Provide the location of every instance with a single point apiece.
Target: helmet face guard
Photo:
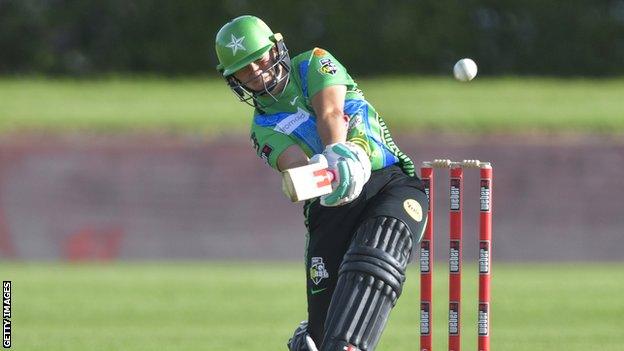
(244, 40)
(279, 72)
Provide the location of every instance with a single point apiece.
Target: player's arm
(328, 105)
(346, 160)
(292, 157)
(327, 83)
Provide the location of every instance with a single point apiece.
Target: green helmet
(242, 41)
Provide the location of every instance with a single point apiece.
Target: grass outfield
(416, 104)
(224, 307)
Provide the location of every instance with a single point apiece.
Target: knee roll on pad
(370, 281)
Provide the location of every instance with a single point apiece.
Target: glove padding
(351, 168)
(301, 340)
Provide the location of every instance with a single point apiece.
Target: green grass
(229, 306)
(415, 104)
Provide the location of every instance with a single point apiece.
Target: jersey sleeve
(269, 144)
(324, 70)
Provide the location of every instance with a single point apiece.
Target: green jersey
(291, 120)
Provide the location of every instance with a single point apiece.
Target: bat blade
(307, 182)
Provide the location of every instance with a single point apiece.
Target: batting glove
(351, 168)
(301, 340)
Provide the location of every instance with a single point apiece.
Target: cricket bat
(307, 182)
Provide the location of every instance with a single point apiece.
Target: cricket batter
(360, 236)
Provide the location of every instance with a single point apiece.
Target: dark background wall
(554, 198)
(574, 37)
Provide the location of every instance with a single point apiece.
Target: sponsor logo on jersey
(254, 142)
(327, 66)
(355, 120)
(290, 123)
(293, 101)
(317, 270)
(413, 209)
(266, 152)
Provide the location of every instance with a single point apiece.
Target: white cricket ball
(465, 70)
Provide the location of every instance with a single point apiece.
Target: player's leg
(372, 273)
(330, 230)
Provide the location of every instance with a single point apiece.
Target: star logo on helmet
(236, 44)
